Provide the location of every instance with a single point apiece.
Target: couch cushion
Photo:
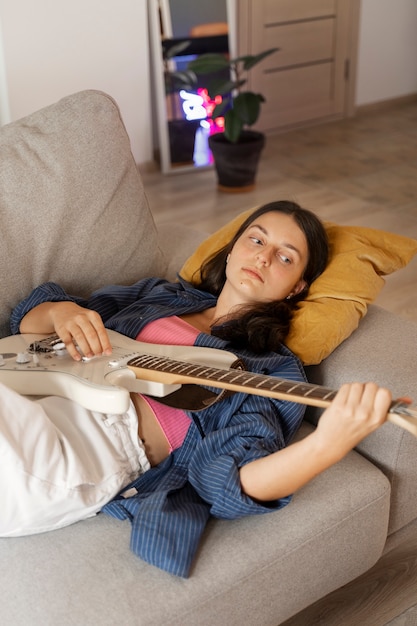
(68, 178)
(266, 567)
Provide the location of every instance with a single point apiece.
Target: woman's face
(268, 260)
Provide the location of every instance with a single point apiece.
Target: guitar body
(100, 384)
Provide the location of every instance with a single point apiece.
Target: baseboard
(147, 167)
(385, 105)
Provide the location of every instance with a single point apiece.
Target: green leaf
(219, 109)
(173, 51)
(209, 63)
(250, 61)
(233, 126)
(247, 107)
(185, 80)
(174, 81)
(219, 86)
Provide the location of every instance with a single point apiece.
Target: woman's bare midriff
(150, 432)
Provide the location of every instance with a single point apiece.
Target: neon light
(193, 106)
(199, 106)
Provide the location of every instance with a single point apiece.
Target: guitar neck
(170, 371)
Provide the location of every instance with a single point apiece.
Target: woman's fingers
(356, 411)
(369, 405)
(383, 400)
(81, 330)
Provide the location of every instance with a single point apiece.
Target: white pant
(60, 463)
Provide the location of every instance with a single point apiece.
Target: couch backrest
(72, 204)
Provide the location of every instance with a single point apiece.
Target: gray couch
(73, 209)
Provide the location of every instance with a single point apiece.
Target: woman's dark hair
(264, 326)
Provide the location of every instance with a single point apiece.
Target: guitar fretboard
(238, 379)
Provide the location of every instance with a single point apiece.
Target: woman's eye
(284, 259)
(256, 240)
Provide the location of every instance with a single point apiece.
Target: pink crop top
(174, 422)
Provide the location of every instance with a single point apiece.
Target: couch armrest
(382, 349)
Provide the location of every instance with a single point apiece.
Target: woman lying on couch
(165, 469)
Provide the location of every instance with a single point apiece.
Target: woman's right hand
(80, 329)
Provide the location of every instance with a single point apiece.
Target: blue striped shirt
(174, 500)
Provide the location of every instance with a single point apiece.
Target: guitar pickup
(49, 344)
(54, 345)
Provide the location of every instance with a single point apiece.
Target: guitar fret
(278, 385)
(266, 382)
(252, 381)
(291, 389)
(235, 378)
(330, 395)
(187, 369)
(223, 375)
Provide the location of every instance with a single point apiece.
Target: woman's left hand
(357, 410)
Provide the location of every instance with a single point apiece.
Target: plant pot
(182, 139)
(237, 163)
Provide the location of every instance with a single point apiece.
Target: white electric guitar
(36, 365)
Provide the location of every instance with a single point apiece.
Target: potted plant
(236, 151)
(181, 132)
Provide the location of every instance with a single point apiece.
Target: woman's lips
(254, 273)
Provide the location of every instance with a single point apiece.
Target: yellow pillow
(338, 299)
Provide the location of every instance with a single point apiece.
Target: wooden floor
(386, 595)
(361, 171)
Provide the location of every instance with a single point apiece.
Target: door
(311, 77)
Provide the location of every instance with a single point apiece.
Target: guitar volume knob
(22, 358)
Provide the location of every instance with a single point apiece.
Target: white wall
(387, 55)
(4, 96)
(54, 48)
